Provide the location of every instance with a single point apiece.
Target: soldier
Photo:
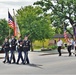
(20, 49)
(5, 47)
(26, 48)
(12, 49)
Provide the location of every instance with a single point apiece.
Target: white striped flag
(17, 30)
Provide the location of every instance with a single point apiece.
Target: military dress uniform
(26, 48)
(20, 49)
(13, 49)
(6, 50)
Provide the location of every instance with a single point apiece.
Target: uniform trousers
(20, 56)
(6, 57)
(12, 57)
(26, 58)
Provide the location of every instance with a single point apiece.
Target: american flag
(65, 35)
(10, 21)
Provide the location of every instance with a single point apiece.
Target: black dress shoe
(27, 63)
(13, 62)
(69, 55)
(59, 55)
(17, 63)
(4, 61)
(9, 62)
(23, 63)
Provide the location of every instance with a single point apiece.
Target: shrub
(53, 47)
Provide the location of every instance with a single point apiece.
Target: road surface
(42, 63)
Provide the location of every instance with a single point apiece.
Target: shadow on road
(35, 65)
(51, 53)
(32, 65)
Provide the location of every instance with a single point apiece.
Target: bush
(53, 47)
(37, 47)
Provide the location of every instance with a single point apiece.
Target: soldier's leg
(22, 58)
(13, 57)
(7, 57)
(4, 58)
(27, 58)
(18, 57)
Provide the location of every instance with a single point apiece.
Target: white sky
(12, 4)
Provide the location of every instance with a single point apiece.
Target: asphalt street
(42, 63)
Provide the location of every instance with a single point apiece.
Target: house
(61, 36)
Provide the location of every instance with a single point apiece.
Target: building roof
(61, 35)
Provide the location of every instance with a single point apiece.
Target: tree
(4, 31)
(31, 21)
(63, 12)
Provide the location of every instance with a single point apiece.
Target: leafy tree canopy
(32, 21)
(4, 31)
(63, 12)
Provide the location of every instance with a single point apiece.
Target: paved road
(42, 63)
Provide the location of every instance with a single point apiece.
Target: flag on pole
(17, 30)
(65, 35)
(11, 21)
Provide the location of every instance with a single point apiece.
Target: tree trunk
(32, 46)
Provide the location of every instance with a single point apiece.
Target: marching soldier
(20, 49)
(12, 49)
(5, 47)
(26, 48)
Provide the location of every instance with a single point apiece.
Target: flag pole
(9, 33)
(14, 23)
(17, 30)
(9, 27)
